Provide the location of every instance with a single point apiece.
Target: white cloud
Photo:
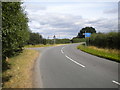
(111, 11)
(65, 20)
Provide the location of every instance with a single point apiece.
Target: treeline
(36, 38)
(15, 31)
(77, 40)
(108, 40)
(58, 41)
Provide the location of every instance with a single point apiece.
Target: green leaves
(109, 40)
(15, 31)
(36, 38)
(86, 30)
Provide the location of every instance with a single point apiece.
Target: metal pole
(54, 39)
(48, 39)
(85, 40)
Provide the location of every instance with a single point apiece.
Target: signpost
(54, 38)
(87, 35)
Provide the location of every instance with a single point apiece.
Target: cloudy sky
(65, 19)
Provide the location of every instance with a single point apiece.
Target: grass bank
(20, 73)
(41, 45)
(111, 54)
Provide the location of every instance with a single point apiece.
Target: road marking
(116, 82)
(74, 61)
(62, 50)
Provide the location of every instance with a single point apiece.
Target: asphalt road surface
(67, 67)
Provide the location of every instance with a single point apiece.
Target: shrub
(108, 40)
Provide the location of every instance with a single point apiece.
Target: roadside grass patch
(42, 45)
(112, 54)
(20, 73)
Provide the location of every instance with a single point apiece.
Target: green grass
(111, 54)
(41, 45)
(20, 73)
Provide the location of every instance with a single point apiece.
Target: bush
(36, 38)
(77, 40)
(109, 40)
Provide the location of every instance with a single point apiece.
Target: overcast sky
(65, 19)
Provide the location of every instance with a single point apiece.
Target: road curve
(67, 67)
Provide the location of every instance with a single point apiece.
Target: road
(67, 67)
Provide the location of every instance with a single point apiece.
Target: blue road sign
(87, 34)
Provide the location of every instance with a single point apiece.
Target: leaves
(108, 40)
(15, 31)
(86, 30)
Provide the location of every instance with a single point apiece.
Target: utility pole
(85, 40)
(48, 39)
(54, 38)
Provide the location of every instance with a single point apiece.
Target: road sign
(87, 34)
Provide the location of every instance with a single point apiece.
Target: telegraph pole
(48, 39)
(85, 39)
(54, 38)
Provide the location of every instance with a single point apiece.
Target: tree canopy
(36, 38)
(86, 30)
(15, 31)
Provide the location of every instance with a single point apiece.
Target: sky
(65, 19)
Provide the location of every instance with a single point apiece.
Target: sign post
(87, 35)
(54, 38)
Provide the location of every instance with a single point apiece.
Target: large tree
(36, 38)
(86, 30)
(15, 31)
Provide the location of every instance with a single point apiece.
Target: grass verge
(41, 45)
(20, 73)
(111, 54)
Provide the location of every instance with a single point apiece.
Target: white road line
(74, 61)
(116, 82)
(62, 51)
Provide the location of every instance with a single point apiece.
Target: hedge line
(108, 40)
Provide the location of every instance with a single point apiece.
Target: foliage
(62, 41)
(76, 40)
(58, 41)
(36, 38)
(108, 40)
(15, 29)
(86, 30)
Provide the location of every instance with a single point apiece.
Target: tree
(15, 31)
(36, 38)
(86, 30)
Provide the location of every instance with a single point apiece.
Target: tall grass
(111, 54)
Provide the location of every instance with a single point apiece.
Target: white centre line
(62, 50)
(74, 61)
(116, 82)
